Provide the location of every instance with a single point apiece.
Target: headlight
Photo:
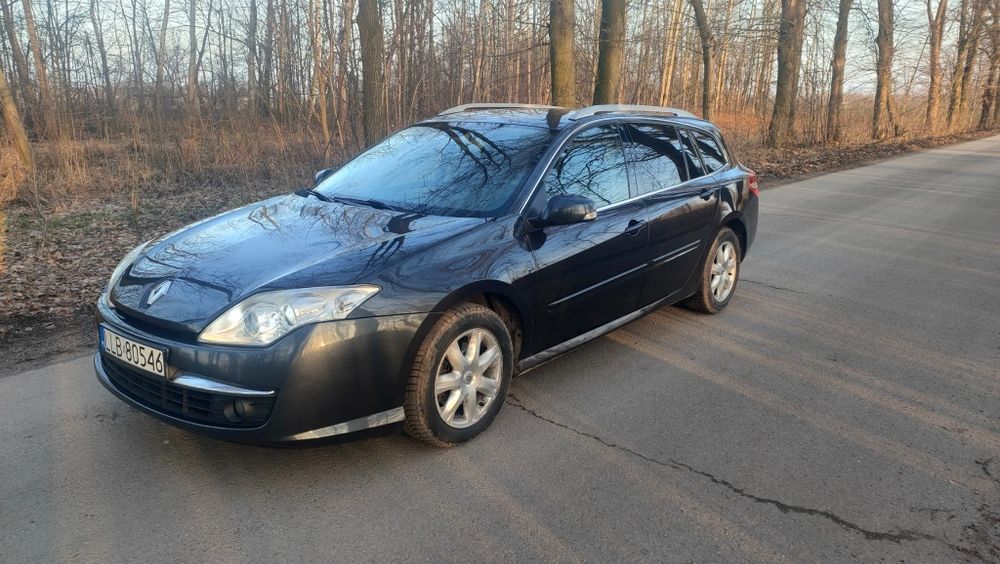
(264, 318)
(122, 266)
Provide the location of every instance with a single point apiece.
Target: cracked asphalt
(845, 407)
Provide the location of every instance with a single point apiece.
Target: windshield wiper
(367, 202)
(306, 192)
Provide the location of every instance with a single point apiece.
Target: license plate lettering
(141, 356)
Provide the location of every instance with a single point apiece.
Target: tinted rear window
(711, 152)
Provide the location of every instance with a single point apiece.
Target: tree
(670, 52)
(192, 76)
(883, 119)
(935, 22)
(970, 20)
(612, 51)
(988, 116)
(161, 56)
(372, 71)
(834, 127)
(50, 123)
(15, 127)
(562, 58)
(707, 58)
(20, 63)
(109, 91)
(791, 33)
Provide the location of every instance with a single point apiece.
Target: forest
(114, 95)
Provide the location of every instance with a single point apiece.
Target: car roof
(552, 118)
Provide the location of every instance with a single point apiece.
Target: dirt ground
(53, 264)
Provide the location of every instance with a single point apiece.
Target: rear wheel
(718, 275)
(460, 376)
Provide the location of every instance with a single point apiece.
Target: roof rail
(626, 108)
(494, 106)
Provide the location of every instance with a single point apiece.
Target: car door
(681, 202)
(589, 273)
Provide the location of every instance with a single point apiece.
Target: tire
(439, 418)
(708, 298)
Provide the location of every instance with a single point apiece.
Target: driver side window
(592, 165)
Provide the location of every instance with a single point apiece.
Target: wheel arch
(497, 296)
(735, 222)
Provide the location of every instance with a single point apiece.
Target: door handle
(635, 226)
(706, 193)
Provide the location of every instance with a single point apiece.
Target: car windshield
(466, 170)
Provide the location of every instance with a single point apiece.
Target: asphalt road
(845, 406)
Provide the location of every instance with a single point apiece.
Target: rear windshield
(452, 169)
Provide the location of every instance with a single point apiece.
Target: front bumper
(324, 381)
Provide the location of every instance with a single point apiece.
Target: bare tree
(935, 22)
(562, 59)
(161, 56)
(883, 120)
(17, 54)
(612, 51)
(50, 122)
(109, 91)
(15, 127)
(372, 70)
(707, 58)
(791, 33)
(192, 75)
(834, 125)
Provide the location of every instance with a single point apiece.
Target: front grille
(209, 408)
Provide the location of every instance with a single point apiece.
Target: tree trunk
(20, 63)
(882, 119)
(14, 125)
(562, 20)
(343, 60)
(372, 71)
(986, 117)
(612, 42)
(935, 22)
(670, 52)
(707, 59)
(49, 121)
(790, 36)
(161, 55)
(834, 125)
(192, 75)
(109, 92)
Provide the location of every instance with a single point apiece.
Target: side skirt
(537, 359)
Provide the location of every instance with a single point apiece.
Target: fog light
(236, 410)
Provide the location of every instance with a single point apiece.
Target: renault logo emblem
(158, 292)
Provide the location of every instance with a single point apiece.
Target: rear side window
(656, 156)
(711, 153)
(591, 165)
(691, 156)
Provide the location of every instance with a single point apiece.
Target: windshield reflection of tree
(475, 169)
(594, 167)
(440, 168)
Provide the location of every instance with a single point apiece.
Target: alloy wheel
(468, 378)
(724, 271)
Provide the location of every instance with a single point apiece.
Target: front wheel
(718, 275)
(460, 376)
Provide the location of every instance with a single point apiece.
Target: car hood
(285, 242)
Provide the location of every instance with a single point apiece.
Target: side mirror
(321, 175)
(564, 209)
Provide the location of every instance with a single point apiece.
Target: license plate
(143, 357)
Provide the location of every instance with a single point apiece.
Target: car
(405, 289)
